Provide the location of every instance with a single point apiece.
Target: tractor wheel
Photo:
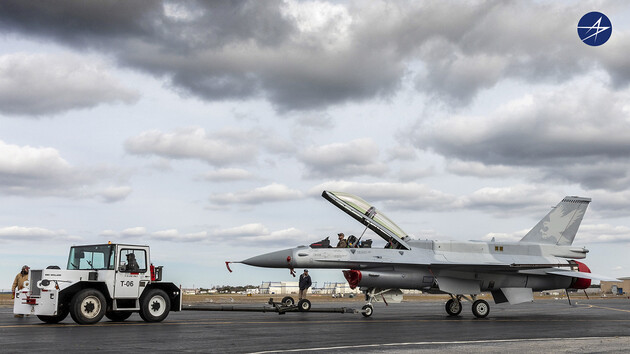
(88, 306)
(155, 305)
(63, 313)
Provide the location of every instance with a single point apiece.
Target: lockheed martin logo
(594, 28)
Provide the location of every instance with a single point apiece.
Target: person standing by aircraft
(305, 283)
(18, 283)
(342, 241)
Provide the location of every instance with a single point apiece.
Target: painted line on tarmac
(231, 322)
(390, 345)
(606, 308)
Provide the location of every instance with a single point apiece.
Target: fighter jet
(543, 259)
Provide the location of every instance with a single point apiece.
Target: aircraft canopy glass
(369, 216)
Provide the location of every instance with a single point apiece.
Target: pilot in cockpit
(342, 241)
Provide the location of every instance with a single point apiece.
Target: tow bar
(286, 305)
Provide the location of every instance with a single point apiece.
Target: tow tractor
(111, 280)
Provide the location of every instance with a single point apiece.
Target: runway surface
(551, 325)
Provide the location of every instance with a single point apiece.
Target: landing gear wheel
(453, 307)
(54, 319)
(87, 306)
(117, 316)
(288, 301)
(154, 306)
(367, 310)
(304, 305)
(480, 308)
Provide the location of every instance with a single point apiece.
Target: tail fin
(561, 224)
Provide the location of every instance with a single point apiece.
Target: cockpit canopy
(369, 216)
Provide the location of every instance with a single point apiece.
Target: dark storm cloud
(308, 55)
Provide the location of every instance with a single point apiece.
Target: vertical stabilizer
(561, 224)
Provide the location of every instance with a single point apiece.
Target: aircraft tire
(288, 301)
(453, 307)
(368, 310)
(480, 308)
(304, 305)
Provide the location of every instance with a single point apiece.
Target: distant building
(335, 288)
(190, 291)
(616, 287)
(282, 287)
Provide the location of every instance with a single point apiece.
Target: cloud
(559, 137)
(354, 158)
(108, 233)
(192, 143)
(412, 196)
(134, 232)
(246, 230)
(603, 233)
(217, 148)
(312, 54)
(47, 84)
(21, 233)
(41, 171)
(173, 235)
(228, 175)
(257, 234)
(507, 201)
(170, 235)
(115, 194)
(478, 169)
(267, 194)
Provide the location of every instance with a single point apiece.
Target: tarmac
(595, 325)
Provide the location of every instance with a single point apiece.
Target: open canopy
(369, 216)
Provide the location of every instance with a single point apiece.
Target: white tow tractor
(111, 280)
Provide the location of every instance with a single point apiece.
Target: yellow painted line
(606, 308)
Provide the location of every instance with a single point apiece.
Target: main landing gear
(480, 308)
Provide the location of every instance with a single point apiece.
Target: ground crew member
(342, 241)
(18, 283)
(305, 283)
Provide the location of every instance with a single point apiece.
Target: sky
(208, 130)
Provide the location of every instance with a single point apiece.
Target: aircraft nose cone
(277, 259)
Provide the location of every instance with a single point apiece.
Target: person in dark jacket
(305, 283)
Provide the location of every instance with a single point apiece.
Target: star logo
(594, 28)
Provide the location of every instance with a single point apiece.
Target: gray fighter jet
(544, 259)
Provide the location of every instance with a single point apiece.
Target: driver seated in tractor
(132, 265)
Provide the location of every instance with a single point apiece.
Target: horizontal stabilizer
(576, 274)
